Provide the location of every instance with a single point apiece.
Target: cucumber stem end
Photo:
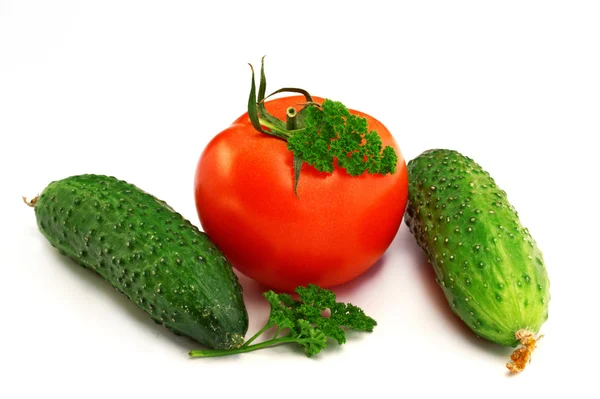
(32, 202)
(522, 355)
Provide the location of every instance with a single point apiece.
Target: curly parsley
(331, 132)
(320, 134)
(302, 322)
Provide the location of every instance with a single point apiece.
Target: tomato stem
(261, 118)
(290, 119)
(274, 130)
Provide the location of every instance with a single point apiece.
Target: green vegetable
(488, 265)
(331, 132)
(303, 323)
(318, 134)
(147, 251)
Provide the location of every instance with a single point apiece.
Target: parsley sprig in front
(303, 322)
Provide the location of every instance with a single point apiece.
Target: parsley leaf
(304, 322)
(321, 134)
(331, 132)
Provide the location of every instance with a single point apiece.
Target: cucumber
(147, 251)
(487, 264)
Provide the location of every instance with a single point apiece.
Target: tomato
(336, 229)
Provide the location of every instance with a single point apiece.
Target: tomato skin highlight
(337, 229)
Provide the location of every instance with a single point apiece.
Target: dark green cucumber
(147, 251)
(488, 265)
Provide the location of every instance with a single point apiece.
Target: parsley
(320, 134)
(303, 322)
(332, 132)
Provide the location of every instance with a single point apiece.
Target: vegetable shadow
(433, 291)
(361, 281)
(405, 242)
(253, 290)
(93, 282)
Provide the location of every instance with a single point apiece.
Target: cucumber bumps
(148, 252)
(488, 265)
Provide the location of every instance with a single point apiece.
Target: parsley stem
(258, 334)
(243, 349)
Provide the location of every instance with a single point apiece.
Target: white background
(136, 89)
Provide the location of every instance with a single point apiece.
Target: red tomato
(337, 229)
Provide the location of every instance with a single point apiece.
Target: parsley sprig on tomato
(322, 134)
(327, 230)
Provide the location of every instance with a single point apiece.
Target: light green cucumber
(487, 264)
